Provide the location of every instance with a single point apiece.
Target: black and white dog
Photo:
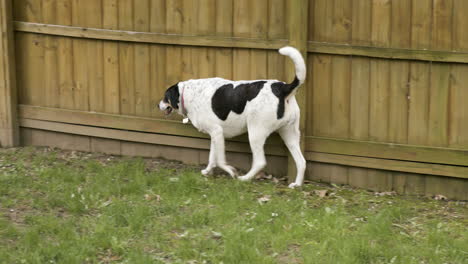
(224, 109)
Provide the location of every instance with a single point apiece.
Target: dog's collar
(182, 103)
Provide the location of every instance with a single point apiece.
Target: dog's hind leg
(257, 138)
(212, 160)
(217, 141)
(291, 137)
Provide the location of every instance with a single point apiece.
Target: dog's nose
(162, 106)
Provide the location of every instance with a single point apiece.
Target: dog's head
(170, 100)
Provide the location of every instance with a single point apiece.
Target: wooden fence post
(298, 14)
(9, 135)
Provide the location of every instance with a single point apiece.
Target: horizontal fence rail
(236, 42)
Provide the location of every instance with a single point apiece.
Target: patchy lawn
(72, 207)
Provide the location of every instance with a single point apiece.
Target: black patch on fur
(172, 96)
(227, 98)
(282, 90)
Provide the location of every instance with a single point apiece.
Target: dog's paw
(206, 172)
(294, 185)
(230, 170)
(244, 178)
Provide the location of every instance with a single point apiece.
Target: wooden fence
(385, 105)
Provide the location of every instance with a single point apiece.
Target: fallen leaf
(106, 203)
(264, 199)
(392, 193)
(181, 235)
(216, 235)
(321, 193)
(263, 176)
(149, 197)
(440, 197)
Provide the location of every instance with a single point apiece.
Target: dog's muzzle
(166, 108)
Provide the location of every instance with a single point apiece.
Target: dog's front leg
(217, 141)
(211, 161)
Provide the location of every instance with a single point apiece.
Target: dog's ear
(172, 96)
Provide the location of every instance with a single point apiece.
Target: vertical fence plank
(9, 130)
(380, 72)
(379, 88)
(80, 62)
(126, 60)
(458, 111)
(81, 77)
(32, 86)
(360, 85)
(340, 83)
(174, 53)
(399, 83)
(174, 58)
(399, 73)
(205, 21)
(442, 25)
(321, 98)
(321, 21)
(419, 83)
(276, 30)
(341, 71)
(65, 57)
(142, 60)
(49, 12)
(242, 22)
(158, 56)
(94, 58)
(224, 27)
(190, 58)
(418, 119)
(110, 82)
(259, 23)
(458, 137)
(298, 16)
(440, 75)
(438, 105)
(111, 59)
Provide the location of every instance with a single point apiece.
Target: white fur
(299, 63)
(259, 118)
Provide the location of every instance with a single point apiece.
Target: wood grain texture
(141, 11)
(65, 57)
(111, 74)
(52, 89)
(9, 130)
(126, 60)
(379, 88)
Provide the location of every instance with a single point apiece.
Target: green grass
(69, 207)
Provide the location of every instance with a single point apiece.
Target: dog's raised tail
(298, 60)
